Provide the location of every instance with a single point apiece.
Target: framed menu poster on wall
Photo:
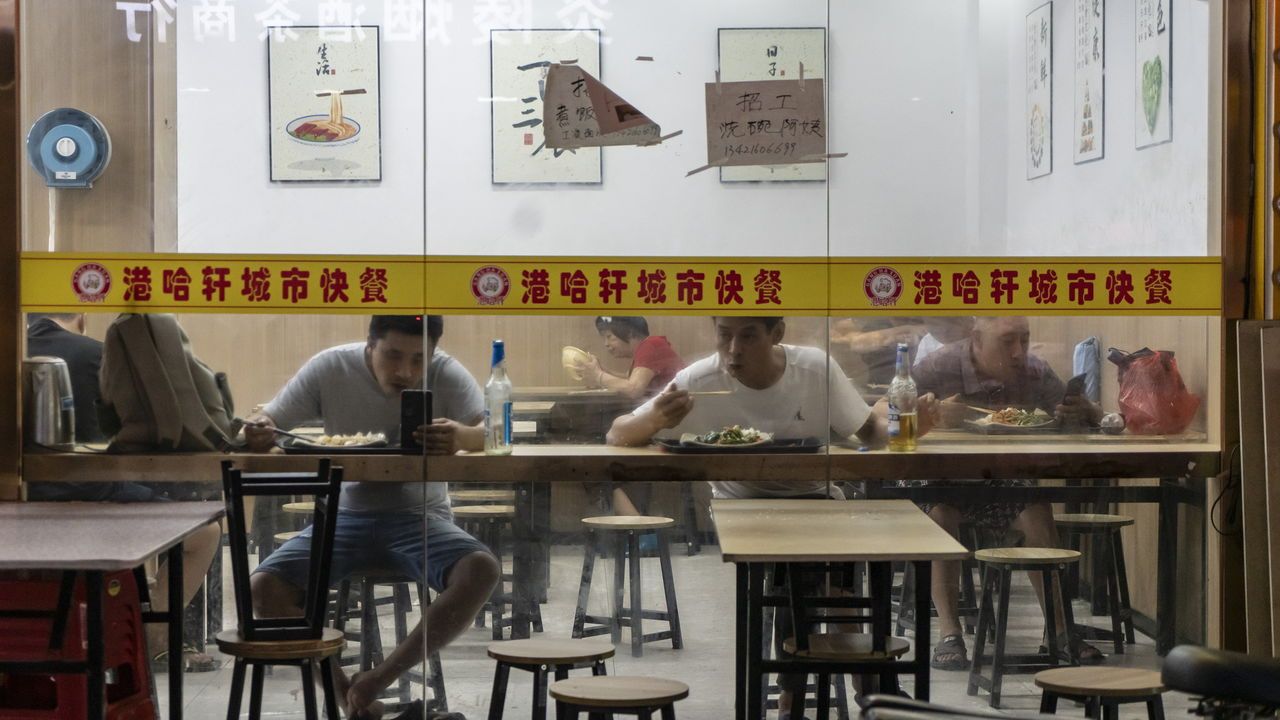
(1040, 91)
(1153, 121)
(519, 60)
(1088, 130)
(772, 54)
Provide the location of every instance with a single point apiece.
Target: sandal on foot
(1086, 654)
(950, 654)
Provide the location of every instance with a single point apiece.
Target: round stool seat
(300, 508)
(1100, 681)
(1026, 556)
(847, 646)
(329, 643)
(1091, 521)
(627, 522)
(618, 692)
(483, 496)
(285, 537)
(539, 651)
(483, 512)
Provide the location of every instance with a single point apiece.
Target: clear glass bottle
(497, 405)
(903, 425)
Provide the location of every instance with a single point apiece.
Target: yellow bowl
(571, 357)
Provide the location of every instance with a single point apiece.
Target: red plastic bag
(1153, 398)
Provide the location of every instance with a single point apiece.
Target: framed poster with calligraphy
(1088, 130)
(324, 104)
(1153, 68)
(519, 60)
(772, 54)
(1040, 91)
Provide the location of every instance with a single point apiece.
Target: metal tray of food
(776, 446)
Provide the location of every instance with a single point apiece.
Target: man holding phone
(358, 388)
(993, 368)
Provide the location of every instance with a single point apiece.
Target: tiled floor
(705, 588)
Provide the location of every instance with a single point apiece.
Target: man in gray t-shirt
(399, 528)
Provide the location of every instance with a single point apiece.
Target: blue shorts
(379, 544)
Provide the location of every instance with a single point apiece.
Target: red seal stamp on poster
(91, 282)
(883, 286)
(490, 285)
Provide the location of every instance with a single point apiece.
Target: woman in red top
(654, 363)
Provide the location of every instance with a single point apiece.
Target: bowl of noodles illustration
(323, 129)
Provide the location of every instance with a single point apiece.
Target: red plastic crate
(46, 697)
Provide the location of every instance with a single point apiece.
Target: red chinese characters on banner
(334, 286)
(728, 287)
(768, 285)
(612, 283)
(176, 284)
(215, 283)
(137, 284)
(574, 286)
(256, 284)
(1119, 288)
(653, 287)
(373, 285)
(1159, 285)
(1080, 286)
(537, 287)
(689, 286)
(294, 283)
(1044, 287)
(928, 287)
(965, 286)
(1003, 284)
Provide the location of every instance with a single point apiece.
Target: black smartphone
(415, 409)
(1075, 386)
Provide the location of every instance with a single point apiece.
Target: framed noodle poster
(518, 63)
(772, 54)
(1040, 91)
(324, 104)
(1153, 121)
(1088, 130)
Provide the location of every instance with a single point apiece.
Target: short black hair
(769, 321)
(380, 325)
(624, 328)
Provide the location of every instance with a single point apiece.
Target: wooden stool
(840, 648)
(260, 654)
(538, 657)
(284, 537)
(482, 497)
(1102, 687)
(999, 564)
(486, 523)
(369, 638)
(1104, 530)
(639, 696)
(299, 508)
(626, 531)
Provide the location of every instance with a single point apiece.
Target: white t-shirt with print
(811, 399)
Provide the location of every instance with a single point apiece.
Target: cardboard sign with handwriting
(766, 122)
(579, 111)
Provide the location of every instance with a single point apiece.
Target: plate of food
(337, 444)
(734, 436)
(1013, 421)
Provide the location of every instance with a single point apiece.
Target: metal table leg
(923, 628)
(755, 641)
(522, 558)
(740, 645)
(1167, 569)
(175, 612)
(96, 682)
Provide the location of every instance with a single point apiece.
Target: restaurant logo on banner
(883, 286)
(91, 282)
(490, 285)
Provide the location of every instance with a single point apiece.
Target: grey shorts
(380, 544)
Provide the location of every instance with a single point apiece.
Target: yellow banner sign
(654, 286)
(220, 283)
(83, 282)
(1026, 286)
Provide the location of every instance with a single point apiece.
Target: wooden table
(94, 539)
(757, 533)
(1182, 463)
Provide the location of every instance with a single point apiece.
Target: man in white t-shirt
(788, 390)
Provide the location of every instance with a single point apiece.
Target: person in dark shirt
(993, 368)
(62, 336)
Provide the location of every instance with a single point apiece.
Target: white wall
(924, 95)
(1133, 202)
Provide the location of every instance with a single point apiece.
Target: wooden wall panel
(10, 245)
(76, 54)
